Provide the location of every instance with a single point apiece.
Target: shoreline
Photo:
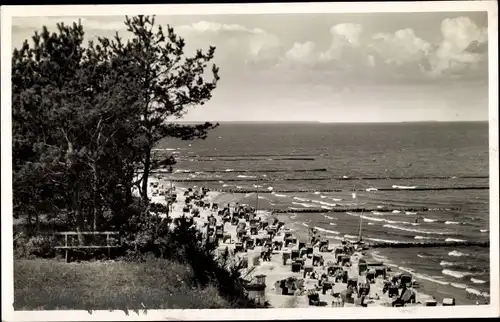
(441, 292)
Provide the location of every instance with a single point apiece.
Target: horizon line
(336, 122)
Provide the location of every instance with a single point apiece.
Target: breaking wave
(456, 253)
(455, 273)
(418, 231)
(454, 240)
(326, 230)
(477, 281)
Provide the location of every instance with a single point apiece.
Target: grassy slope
(157, 284)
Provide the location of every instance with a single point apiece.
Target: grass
(156, 284)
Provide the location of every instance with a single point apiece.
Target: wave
(454, 240)
(350, 236)
(279, 195)
(182, 171)
(403, 187)
(411, 213)
(239, 187)
(378, 213)
(431, 279)
(331, 198)
(323, 203)
(452, 223)
(429, 220)
(383, 240)
(225, 185)
(317, 192)
(477, 281)
(300, 199)
(371, 189)
(423, 237)
(456, 253)
(229, 170)
(370, 224)
(305, 225)
(329, 217)
(444, 263)
(307, 205)
(455, 273)
(326, 207)
(476, 292)
(332, 224)
(483, 230)
(270, 188)
(416, 230)
(459, 285)
(424, 256)
(326, 230)
(378, 219)
(396, 211)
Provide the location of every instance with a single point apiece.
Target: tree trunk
(129, 186)
(95, 209)
(77, 208)
(30, 223)
(147, 165)
(37, 220)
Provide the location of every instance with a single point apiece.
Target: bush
(35, 246)
(186, 245)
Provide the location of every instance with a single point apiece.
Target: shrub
(36, 246)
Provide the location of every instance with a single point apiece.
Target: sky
(331, 67)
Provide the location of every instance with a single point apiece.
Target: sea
(442, 167)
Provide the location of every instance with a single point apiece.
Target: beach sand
(274, 270)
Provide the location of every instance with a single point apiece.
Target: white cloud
(400, 48)
(234, 42)
(208, 26)
(350, 32)
(51, 22)
(345, 37)
(458, 34)
(301, 54)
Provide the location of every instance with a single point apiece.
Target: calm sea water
(291, 157)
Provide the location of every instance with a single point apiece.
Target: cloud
(402, 47)
(346, 40)
(301, 54)
(462, 52)
(235, 43)
(98, 23)
(214, 27)
(463, 46)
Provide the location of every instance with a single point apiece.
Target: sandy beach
(276, 272)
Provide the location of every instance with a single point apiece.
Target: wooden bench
(68, 248)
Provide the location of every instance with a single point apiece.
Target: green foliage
(34, 247)
(86, 118)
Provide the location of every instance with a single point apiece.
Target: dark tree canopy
(85, 118)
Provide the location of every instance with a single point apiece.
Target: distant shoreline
(326, 122)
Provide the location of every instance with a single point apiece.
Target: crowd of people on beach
(284, 266)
